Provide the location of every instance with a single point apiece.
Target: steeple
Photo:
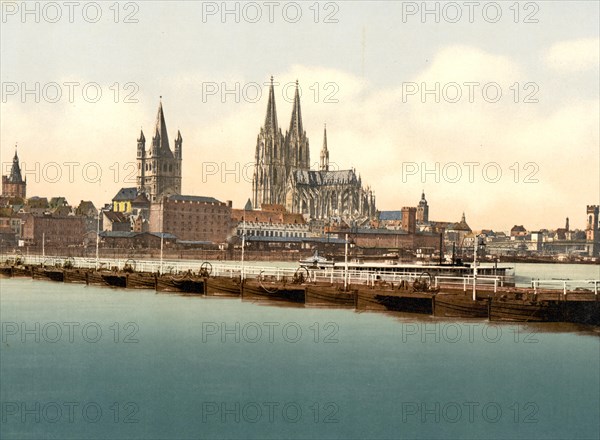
(423, 196)
(295, 139)
(325, 152)
(462, 219)
(161, 131)
(141, 145)
(159, 167)
(296, 122)
(15, 171)
(13, 185)
(271, 118)
(178, 143)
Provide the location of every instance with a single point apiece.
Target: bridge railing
(468, 280)
(564, 285)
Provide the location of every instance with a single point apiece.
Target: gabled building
(115, 221)
(122, 201)
(86, 208)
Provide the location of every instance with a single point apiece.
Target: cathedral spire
(325, 152)
(296, 141)
(271, 118)
(296, 122)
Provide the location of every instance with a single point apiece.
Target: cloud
(574, 56)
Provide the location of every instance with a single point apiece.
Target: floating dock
(495, 303)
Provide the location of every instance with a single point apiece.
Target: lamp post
(475, 247)
(161, 253)
(475, 268)
(97, 237)
(346, 263)
(243, 244)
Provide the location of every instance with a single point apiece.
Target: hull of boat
(254, 290)
(460, 307)
(330, 295)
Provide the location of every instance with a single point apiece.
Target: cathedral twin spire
(271, 118)
(278, 156)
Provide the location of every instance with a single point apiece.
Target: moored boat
(330, 295)
(525, 311)
(52, 274)
(274, 290)
(185, 284)
(223, 286)
(460, 306)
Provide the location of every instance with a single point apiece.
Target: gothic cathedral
(282, 174)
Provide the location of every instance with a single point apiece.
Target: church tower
(592, 230)
(13, 185)
(270, 159)
(324, 164)
(423, 210)
(296, 142)
(159, 168)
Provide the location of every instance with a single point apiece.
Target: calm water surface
(87, 362)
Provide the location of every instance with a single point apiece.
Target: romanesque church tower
(13, 185)
(159, 168)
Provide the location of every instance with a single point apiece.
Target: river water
(96, 363)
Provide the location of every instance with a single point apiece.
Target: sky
(491, 108)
